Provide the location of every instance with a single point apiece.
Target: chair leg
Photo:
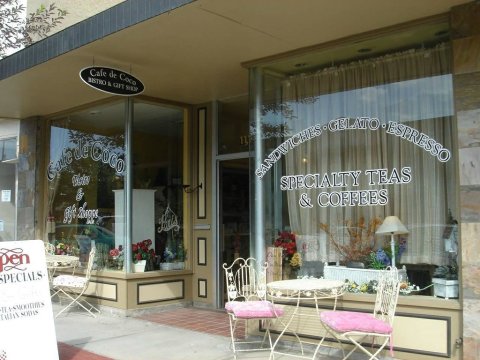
(233, 326)
(238, 343)
(331, 333)
(78, 301)
(267, 323)
(358, 345)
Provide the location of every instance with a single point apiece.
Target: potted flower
(168, 257)
(381, 258)
(116, 257)
(142, 255)
(291, 259)
(65, 247)
(179, 263)
(445, 281)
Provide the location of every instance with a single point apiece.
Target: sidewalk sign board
(27, 329)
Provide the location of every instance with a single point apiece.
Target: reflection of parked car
(100, 234)
(108, 221)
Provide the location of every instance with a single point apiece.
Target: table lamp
(393, 226)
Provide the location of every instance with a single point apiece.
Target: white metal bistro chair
(356, 327)
(73, 288)
(246, 291)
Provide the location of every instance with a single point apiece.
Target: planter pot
(444, 288)
(139, 266)
(166, 266)
(179, 265)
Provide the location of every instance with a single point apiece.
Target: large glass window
(158, 184)
(340, 149)
(9, 131)
(86, 166)
(87, 180)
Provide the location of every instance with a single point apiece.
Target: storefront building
(201, 130)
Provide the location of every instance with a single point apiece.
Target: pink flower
(114, 252)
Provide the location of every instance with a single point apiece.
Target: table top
(306, 288)
(61, 260)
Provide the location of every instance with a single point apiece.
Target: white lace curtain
(413, 88)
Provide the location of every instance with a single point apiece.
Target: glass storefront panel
(158, 186)
(9, 131)
(340, 149)
(86, 186)
(86, 166)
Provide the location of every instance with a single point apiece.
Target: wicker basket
(360, 276)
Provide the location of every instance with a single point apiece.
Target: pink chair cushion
(253, 309)
(344, 321)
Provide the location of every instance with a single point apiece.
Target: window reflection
(86, 165)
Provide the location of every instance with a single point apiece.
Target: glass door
(234, 214)
(234, 209)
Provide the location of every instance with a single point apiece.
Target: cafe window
(86, 177)
(341, 148)
(158, 191)
(86, 165)
(8, 149)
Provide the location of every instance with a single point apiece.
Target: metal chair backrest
(388, 289)
(245, 280)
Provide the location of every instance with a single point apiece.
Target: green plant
(168, 255)
(181, 252)
(141, 251)
(448, 272)
(16, 31)
(382, 258)
(374, 262)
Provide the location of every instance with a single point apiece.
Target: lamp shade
(392, 225)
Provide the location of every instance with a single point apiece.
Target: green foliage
(374, 263)
(18, 30)
(181, 252)
(448, 272)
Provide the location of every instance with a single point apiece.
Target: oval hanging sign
(111, 81)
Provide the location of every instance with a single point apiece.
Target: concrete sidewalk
(110, 336)
(127, 338)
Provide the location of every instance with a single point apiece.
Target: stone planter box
(444, 288)
(360, 276)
